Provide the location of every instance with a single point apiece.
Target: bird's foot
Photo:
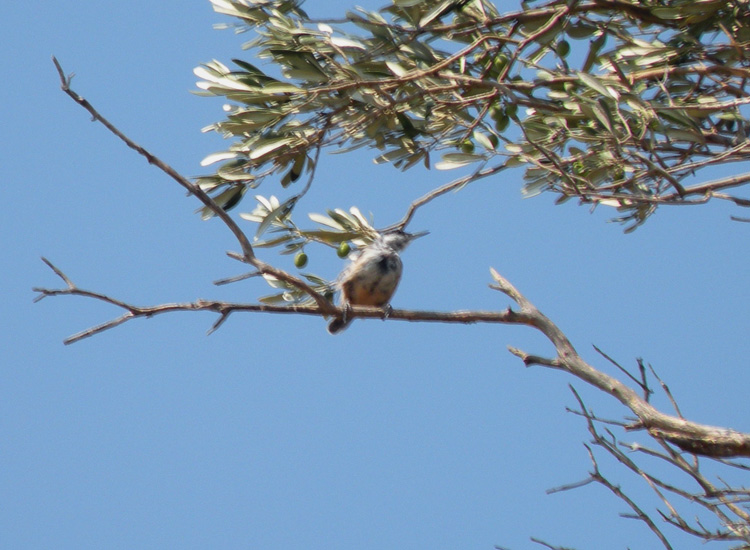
(347, 313)
(387, 310)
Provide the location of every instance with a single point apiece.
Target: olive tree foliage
(653, 101)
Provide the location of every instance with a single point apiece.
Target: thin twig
(248, 254)
(666, 391)
(642, 382)
(58, 272)
(193, 189)
(597, 476)
(548, 545)
(236, 278)
(448, 187)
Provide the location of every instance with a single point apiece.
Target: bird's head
(398, 240)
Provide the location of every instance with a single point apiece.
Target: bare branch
(597, 476)
(531, 360)
(598, 419)
(236, 278)
(642, 382)
(99, 328)
(504, 286)
(248, 254)
(193, 189)
(723, 504)
(58, 273)
(218, 323)
(570, 486)
(665, 388)
(689, 436)
(548, 545)
(448, 187)
(226, 308)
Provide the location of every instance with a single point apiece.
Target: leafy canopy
(625, 103)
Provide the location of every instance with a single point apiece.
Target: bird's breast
(372, 281)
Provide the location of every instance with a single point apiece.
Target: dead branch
(224, 309)
(689, 436)
(723, 504)
(248, 255)
(450, 186)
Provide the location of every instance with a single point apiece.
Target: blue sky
(270, 433)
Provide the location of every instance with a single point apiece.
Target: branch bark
(689, 436)
(224, 309)
(726, 505)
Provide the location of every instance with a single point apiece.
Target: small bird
(373, 275)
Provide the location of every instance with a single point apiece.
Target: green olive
(467, 146)
(300, 260)
(343, 250)
(502, 123)
(500, 62)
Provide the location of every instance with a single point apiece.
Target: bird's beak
(413, 236)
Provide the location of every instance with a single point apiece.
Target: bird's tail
(338, 324)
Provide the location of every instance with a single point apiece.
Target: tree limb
(725, 505)
(689, 436)
(248, 255)
(224, 309)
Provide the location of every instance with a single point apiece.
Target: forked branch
(689, 436)
(224, 309)
(725, 506)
